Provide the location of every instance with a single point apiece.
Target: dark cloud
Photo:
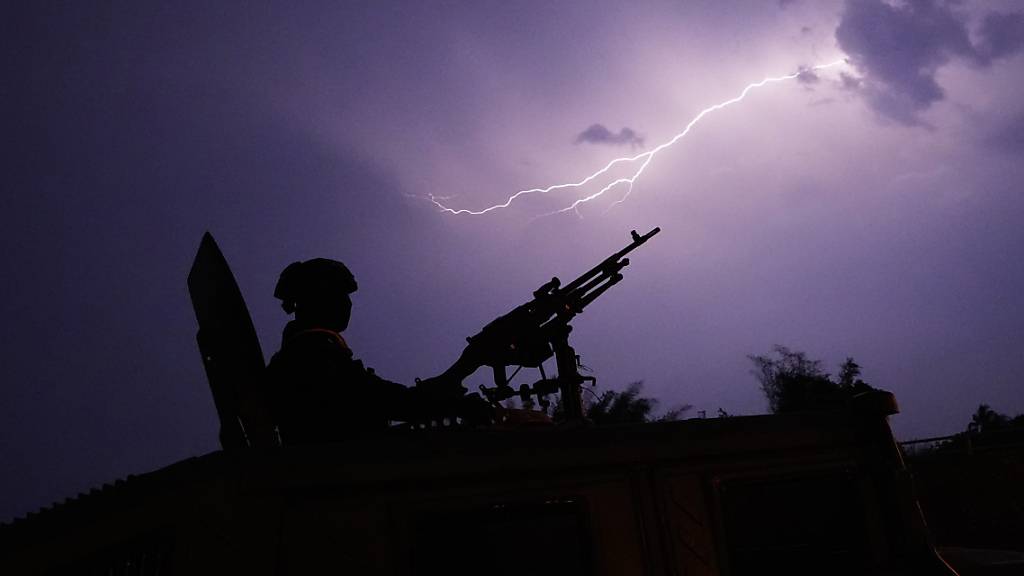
(1001, 35)
(808, 76)
(899, 49)
(850, 82)
(598, 134)
(1009, 137)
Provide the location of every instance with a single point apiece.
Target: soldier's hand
(439, 398)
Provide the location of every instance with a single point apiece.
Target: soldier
(318, 391)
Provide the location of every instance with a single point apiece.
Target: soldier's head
(317, 291)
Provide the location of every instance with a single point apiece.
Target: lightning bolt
(640, 161)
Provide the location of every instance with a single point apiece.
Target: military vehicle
(804, 493)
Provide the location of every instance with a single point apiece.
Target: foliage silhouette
(620, 407)
(985, 419)
(792, 382)
(628, 406)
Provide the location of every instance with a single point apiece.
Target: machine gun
(539, 329)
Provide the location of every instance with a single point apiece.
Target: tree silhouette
(792, 382)
(985, 419)
(629, 407)
(622, 407)
(849, 372)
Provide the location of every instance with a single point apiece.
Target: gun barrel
(590, 297)
(610, 265)
(580, 294)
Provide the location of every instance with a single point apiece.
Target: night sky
(872, 209)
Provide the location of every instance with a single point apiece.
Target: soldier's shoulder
(317, 340)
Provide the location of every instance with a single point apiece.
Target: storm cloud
(599, 134)
(808, 76)
(1002, 34)
(900, 48)
(1009, 136)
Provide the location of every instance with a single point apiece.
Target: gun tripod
(568, 381)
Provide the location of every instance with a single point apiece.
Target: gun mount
(535, 331)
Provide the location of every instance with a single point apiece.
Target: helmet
(313, 280)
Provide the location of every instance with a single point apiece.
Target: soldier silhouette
(318, 391)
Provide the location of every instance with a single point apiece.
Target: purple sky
(872, 210)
